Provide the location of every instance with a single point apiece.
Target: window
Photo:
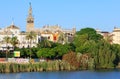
(48, 37)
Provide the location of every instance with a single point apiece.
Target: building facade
(51, 33)
(116, 35)
(112, 37)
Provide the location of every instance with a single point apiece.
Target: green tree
(52, 53)
(104, 56)
(62, 38)
(43, 53)
(60, 50)
(14, 41)
(7, 41)
(34, 50)
(90, 33)
(30, 37)
(85, 38)
(45, 43)
(116, 49)
(108, 38)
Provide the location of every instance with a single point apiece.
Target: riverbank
(56, 65)
(36, 67)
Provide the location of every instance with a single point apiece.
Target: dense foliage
(71, 57)
(88, 50)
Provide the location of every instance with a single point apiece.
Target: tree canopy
(89, 49)
(90, 34)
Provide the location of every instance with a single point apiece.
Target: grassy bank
(35, 67)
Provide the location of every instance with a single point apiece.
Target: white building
(113, 37)
(12, 31)
(116, 35)
(52, 33)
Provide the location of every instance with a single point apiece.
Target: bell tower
(30, 20)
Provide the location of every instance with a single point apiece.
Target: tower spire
(30, 3)
(30, 20)
(30, 9)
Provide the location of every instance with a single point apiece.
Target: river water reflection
(114, 74)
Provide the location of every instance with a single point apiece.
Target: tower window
(29, 21)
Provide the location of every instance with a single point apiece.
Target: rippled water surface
(113, 74)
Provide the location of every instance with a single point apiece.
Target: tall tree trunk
(30, 49)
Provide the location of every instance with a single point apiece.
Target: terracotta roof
(12, 27)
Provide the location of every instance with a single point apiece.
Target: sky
(98, 14)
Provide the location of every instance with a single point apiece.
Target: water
(114, 74)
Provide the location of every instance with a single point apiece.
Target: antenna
(12, 21)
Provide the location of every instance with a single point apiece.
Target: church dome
(12, 26)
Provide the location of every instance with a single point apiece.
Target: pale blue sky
(101, 14)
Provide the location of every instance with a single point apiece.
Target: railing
(20, 60)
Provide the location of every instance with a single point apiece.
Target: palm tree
(6, 40)
(14, 41)
(62, 38)
(30, 36)
(44, 43)
(109, 38)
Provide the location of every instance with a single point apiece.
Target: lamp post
(39, 37)
(7, 50)
(6, 46)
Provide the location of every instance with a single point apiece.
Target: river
(113, 74)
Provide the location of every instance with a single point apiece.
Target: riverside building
(113, 37)
(51, 33)
(116, 35)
